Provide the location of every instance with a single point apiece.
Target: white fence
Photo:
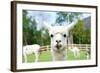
(85, 47)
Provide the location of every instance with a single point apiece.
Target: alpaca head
(58, 35)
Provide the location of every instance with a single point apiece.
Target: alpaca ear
(46, 25)
(70, 26)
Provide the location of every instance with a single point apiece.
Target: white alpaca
(59, 36)
(30, 49)
(76, 51)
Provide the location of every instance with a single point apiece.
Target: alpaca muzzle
(58, 46)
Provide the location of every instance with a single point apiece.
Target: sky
(41, 15)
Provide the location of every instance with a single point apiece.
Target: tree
(31, 35)
(81, 35)
(29, 29)
(67, 17)
(26, 21)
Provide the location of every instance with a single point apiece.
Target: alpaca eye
(51, 35)
(64, 35)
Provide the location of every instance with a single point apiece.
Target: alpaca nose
(58, 41)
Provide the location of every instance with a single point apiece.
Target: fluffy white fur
(30, 49)
(59, 37)
(76, 51)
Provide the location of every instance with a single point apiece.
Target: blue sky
(50, 17)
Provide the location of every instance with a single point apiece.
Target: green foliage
(29, 28)
(30, 33)
(67, 16)
(81, 35)
(61, 17)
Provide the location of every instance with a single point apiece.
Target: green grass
(46, 56)
(71, 56)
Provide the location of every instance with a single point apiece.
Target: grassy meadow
(46, 56)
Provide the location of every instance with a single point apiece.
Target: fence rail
(80, 46)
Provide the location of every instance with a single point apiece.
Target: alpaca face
(58, 37)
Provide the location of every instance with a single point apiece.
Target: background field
(45, 56)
